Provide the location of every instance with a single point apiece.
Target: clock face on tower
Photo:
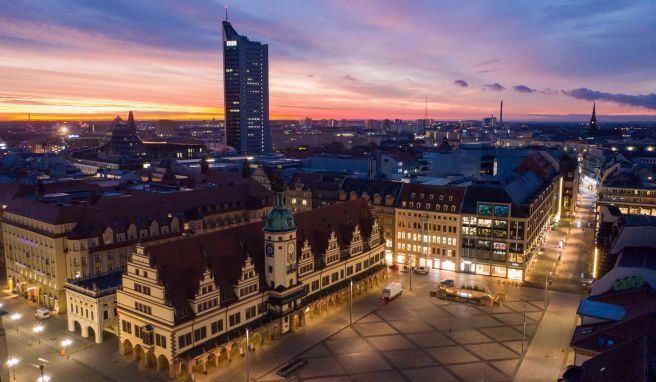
(269, 249)
(291, 253)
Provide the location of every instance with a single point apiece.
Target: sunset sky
(331, 59)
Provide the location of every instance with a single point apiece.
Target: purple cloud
(523, 89)
(642, 100)
(495, 87)
(485, 63)
(461, 83)
(349, 77)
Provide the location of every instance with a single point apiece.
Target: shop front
(467, 266)
(448, 265)
(515, 274)
(499, 271)
(483, 269)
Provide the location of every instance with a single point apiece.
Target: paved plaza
(421, 338)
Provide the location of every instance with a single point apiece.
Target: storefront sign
(628, 283)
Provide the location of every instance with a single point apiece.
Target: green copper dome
(280, 219)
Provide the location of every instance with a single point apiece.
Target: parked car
(448, 282)
(422, 269)
(394, 267)
(42, 313)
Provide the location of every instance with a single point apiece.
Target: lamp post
(64, 344)
(43, 378)
(524, 331)
(12, 362)
(546, 284)
(246, 356)
(38, 329)
(351, 303)
(15, 317)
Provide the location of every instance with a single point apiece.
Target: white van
(422, 269)
(42, 313)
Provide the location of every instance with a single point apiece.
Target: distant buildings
(74, 230)
(246, 92)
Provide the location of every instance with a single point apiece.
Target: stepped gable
(182, 262)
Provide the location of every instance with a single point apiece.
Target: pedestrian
(449, 330)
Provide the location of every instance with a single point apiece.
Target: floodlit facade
(186, 305)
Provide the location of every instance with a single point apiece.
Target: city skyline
(331, 60)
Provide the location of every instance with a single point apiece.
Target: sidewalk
(288, 347)
(547, 352)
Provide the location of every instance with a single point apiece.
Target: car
(422, 269)
(394, 267)
(42, 313)
(448, 282)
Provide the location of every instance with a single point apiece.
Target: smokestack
(501, 114)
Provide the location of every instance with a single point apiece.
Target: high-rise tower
(246, 92)
(593, 122)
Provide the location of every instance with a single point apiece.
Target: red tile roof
(182, 262)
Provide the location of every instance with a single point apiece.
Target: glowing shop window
(482, 269)
(515, 274)
(448, 265)
(400, 259)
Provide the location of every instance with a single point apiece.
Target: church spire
(131, 124)
(593, 120)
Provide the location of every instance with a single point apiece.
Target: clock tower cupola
(280, 243)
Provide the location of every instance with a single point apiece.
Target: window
(217, 326)
(358, 267)
(315, 285)
(349, 270)
(142, 289)
(235, 319)
(200, 333)
(184, 340)
(250, 312)
(334, 276)
(143, 308)
(126, 326)
(160, 341)
(325, 280)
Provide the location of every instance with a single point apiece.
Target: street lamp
(351, 303)
(12, 362)
(15, 317)
(64, 344)
(248, 373)
(38, 329)
(43, 378)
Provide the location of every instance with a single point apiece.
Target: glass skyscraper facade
(246, 92)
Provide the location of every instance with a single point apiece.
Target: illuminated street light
(38, 329)
(12, 362)
(64, 344)
(15, 317)
(45, 378)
